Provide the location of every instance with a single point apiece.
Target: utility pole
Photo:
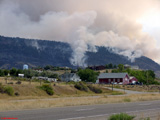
(147, 80)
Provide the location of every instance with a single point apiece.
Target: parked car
(139, 83)
(120, 83)
(115, 83)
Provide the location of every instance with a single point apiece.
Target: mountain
(14, 52)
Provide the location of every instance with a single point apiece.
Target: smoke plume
(83, 24)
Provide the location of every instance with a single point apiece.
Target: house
(133, 80)
(52, 79)
(67, 77)
(45, 79)
(108, 78)
(101, 67)
(126, 66)
(21, 75)
(135, 67)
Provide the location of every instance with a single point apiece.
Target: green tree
(110, 66)
(115, 71)
(1, 73)
(6, 72)
(115, 66)
(88, 75)
(28, 73)
(121, 67)
(107, 66)
(13, 72)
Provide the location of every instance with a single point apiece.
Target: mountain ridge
(18, 51)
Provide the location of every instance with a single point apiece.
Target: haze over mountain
(14, 52)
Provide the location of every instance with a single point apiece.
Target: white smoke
(82, 24)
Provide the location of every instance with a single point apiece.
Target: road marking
(101, 115)
(85, 109)
(146, 104)
(85, 117)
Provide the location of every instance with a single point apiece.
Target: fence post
(6, 79)
(40, 82)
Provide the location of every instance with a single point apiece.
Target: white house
(21, 75)
(67, 77)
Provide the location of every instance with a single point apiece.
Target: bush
(46, 81)
(121, 116)
(11, 83)
(94, 89)
(1, 88)
(17, 94)
(127, 100)
(19, 82)
(71, 83)
(48, 89)
(81, 86)
(9, 90)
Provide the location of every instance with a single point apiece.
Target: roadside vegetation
(7, 90)
(121, 116)
(125, 116)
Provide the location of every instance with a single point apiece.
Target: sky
(125, 27)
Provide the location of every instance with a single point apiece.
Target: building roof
(69, 75)
(112, 75)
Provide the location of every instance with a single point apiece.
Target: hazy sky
(129, 27)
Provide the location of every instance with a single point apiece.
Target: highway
(92, 112)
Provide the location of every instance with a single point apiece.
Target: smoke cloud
(83, 24)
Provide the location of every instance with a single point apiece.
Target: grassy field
(31, 97)
(31, 90)
(9, 104)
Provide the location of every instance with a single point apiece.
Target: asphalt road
(93, 112)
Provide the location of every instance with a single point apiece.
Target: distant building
(135, 67)
(101, 67)
(21, 75)
(67, 77)
(108, 78)
(25, 67)
(46, 79)
(127, 66)
(132, 80)
(118, 78)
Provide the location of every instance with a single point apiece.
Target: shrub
(127, 100)
(46, 81)
(94, 89)
(17, 94)
(121, 116)
(1, 88)
(11, 83)
(81, 86)
(48, 89)
(71, 82)
(19, 82)
(9, 90)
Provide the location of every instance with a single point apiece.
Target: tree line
(27, 73)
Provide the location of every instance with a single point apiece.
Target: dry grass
(144, 88)
(60, 89)
(65, 95)
(72, 101)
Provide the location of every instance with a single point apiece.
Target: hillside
(14, 52)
